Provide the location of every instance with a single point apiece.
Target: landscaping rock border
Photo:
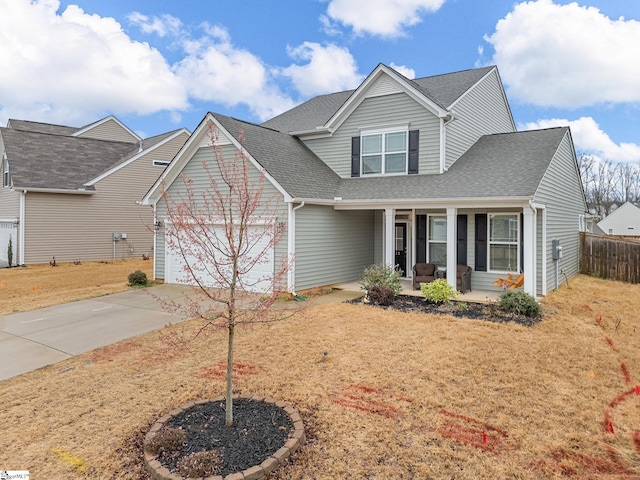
(256, 472)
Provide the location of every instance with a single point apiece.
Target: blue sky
(159, 65)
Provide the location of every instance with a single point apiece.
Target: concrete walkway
(31, 340)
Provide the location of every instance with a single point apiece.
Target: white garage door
(257, 279)
(8, 229)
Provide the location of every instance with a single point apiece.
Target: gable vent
(384, 86)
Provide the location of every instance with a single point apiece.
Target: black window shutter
(355, 156)
(414, 140)
(481, 242)
(421, 238)
(461, 243)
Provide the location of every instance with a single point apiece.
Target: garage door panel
(256, 267)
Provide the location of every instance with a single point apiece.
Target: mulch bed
(259, 429)
(490, 312)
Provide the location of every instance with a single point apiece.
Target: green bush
(380, 275)
(520, 302)
(438, 291)
(10, 252)
(381, 295)
(138, 278)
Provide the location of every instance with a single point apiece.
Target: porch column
(389, 237)
(452, 261)
(529, 250)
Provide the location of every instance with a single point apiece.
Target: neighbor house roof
(441, 89)
(43, 160)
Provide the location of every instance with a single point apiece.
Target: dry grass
(398, 396)
(38, 286)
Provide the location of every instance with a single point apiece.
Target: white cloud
(162, 25)
(567, 55)
(410, 73)
(329, 68)
(589, 138)
(386, 18)
(217, 71)
(70, 67)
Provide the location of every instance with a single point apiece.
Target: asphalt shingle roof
(38, 127)
(293, 165)
(441, 89)
(496, 166)
(42, 160)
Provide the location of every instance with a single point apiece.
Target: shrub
(138, 278)
(200, 464)
(168, 440)
(381, 295)
(380, 275)
(438, 291)
(10, 251)
(520, 302)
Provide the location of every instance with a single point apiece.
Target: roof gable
(109, 128)
(623, 217)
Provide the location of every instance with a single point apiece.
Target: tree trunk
(229, 403)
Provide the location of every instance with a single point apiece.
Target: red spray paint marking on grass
(637, 389)
(611, 428)
(610, 343)
(636, 440)
(359, 397)
(467, 431)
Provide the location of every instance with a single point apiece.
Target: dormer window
(384, 153)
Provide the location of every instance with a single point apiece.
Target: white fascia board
(467, 203)
(360, 94)
(104, 120)
(172, 172)
(53, 190)
(137, 156)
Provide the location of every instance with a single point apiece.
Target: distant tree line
(608, 184)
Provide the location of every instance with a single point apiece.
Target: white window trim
(382, 131)
(6, 177)
(429, 242)
(517, 243)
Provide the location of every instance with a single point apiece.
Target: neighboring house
(66, 192)
(403, 171)
(624, 221)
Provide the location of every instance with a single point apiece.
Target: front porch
(407, 289)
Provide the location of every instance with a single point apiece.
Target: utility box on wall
(556, 250)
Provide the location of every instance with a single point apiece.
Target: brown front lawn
(397, 395)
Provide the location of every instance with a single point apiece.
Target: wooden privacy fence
(614, 258)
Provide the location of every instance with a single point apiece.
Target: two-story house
(403, 171)
(73, 193)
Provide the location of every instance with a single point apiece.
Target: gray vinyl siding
(561, 192)
(381, 111)
(200, 179)
(332, 246)
(109, 130)
(481, 111)
(80, 227)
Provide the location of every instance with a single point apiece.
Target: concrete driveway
(31, 340)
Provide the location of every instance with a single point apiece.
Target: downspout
(291, 245)
(23, 203)
(444, 121)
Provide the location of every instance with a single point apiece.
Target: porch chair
(463, 278)
(423, 273)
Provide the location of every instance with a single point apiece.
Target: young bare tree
(224, 230)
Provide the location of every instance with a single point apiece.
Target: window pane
(503, 257)
(438, 228)
(395, 163)
(438, 254)
(396, 142)
(371, 144)
(504, 228)
(372, 164)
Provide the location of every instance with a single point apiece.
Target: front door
(401, 248)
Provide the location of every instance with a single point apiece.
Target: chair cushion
(425, 269)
